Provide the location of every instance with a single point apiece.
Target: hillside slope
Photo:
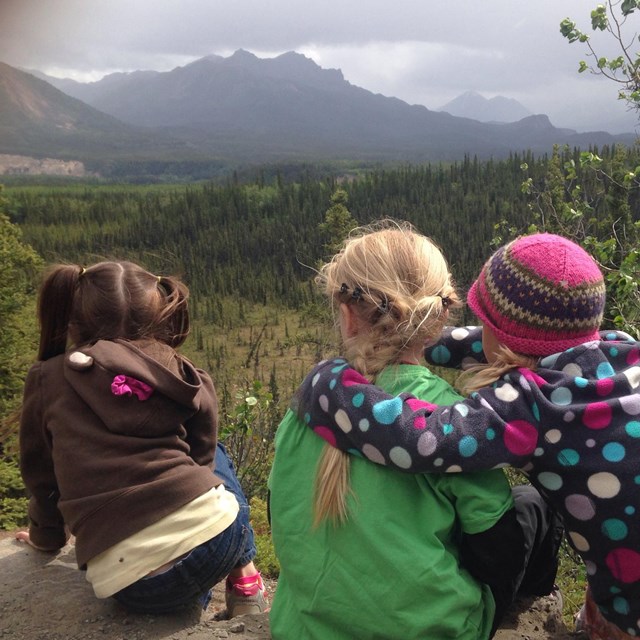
(38, 119)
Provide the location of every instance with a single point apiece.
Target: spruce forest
(257, 241)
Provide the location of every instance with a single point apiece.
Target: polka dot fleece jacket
(573, 426)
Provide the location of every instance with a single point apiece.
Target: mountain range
(244, 109)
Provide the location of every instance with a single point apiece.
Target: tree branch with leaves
(614, 18)
(586, 197)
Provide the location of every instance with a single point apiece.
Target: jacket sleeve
(202, 427)
(457, 348)
(494, 426)
(46, 524)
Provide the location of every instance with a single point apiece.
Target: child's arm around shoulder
(457, 348)
(495, 426)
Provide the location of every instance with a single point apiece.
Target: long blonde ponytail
(332, 487)
(399, 285)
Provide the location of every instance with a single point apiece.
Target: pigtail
(55, 304)
(332, 487)
(174, 316)
(398, 284)
(478, 376)
(107, 301)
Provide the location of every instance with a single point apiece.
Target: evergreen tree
(19, 264)
(338, 222)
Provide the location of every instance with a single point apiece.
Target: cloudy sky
(421, 51)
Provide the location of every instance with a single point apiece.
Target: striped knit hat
(540, 294)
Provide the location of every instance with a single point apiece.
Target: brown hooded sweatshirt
(105, 466)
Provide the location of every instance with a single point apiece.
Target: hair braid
(399, 286)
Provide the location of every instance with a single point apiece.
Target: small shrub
(13, 513)
(247, 430)
(13, 500)
(266, 559)
(572, 580)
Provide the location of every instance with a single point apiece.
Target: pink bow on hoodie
(126, 386)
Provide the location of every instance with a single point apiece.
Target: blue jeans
(190, 580)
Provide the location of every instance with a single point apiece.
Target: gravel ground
(44, 597)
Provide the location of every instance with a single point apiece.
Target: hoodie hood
(117, 379)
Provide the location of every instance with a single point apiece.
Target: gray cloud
(422, 51)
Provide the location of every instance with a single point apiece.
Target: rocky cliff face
(24, 165)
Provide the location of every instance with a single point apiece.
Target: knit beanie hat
(540, 294)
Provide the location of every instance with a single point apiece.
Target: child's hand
(23, 536)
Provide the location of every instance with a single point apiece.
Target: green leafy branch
(586, 198)
(623, 69)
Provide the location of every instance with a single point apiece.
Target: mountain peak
(211, 58)
(294, 56)
(472, 104)
(242, 55)
(291, 66)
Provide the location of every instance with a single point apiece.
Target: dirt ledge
(45, 597)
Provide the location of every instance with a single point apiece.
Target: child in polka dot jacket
(554, 397)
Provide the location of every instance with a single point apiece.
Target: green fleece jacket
(393, 570)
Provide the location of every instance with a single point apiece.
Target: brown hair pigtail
(55, 304)
(174, 317)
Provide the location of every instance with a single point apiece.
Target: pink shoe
(245, 595)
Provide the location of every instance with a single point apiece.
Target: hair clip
(356, 294)
(446, 300)
(83, 270)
